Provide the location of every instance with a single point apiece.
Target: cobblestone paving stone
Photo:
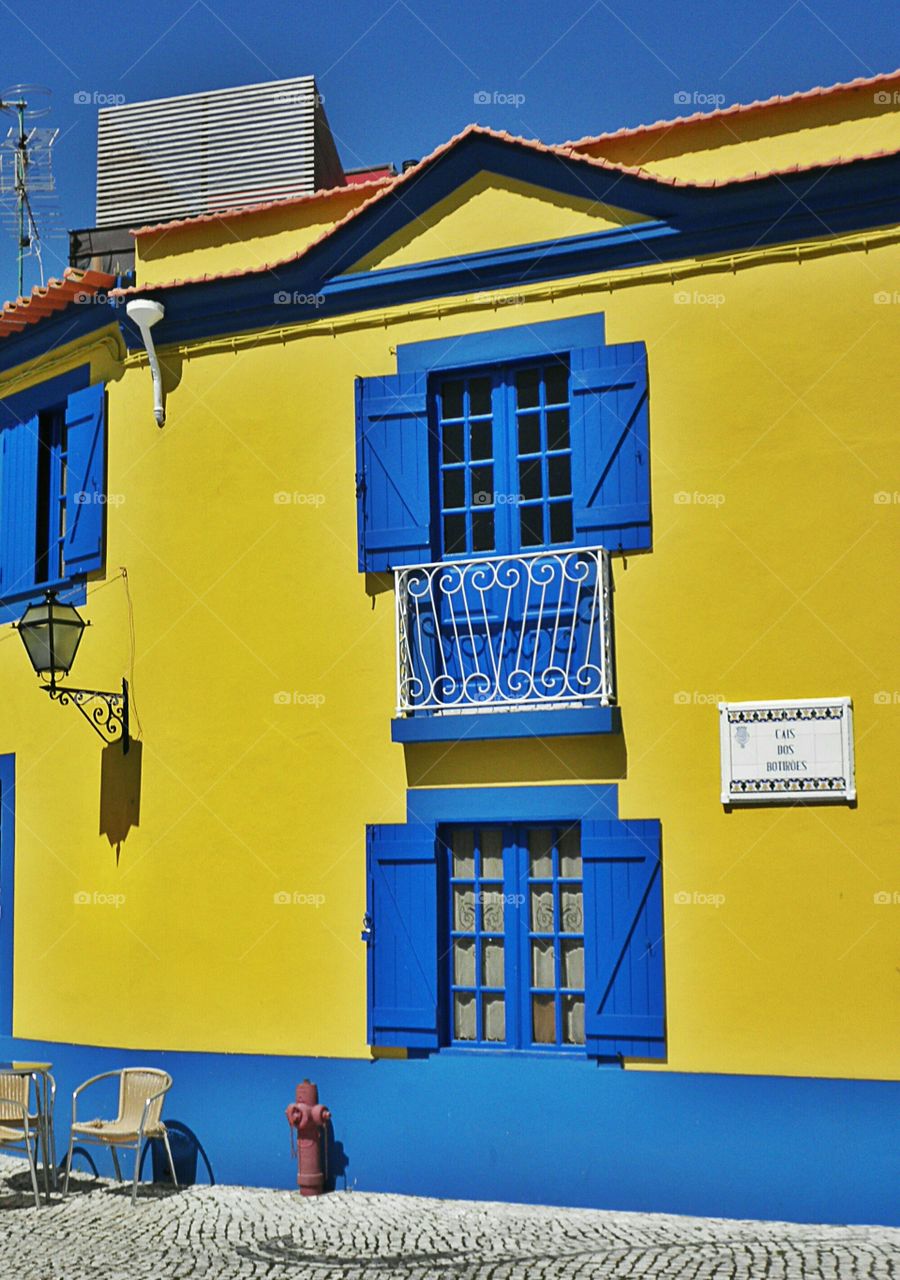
(228, 1233)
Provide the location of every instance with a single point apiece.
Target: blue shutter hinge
(366, 934)
(360, 484)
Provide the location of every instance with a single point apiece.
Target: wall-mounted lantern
(51, 633)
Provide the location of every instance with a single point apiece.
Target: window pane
(543, 972)
(463, 1015)
(482, 486)
(463, 842)
(454, 534)
(481, 440)
(573, 964)
(531, 526)
(463, 908)
(530, 479)
(479, 396)
(529, 433)
(558, 429)
(455, 488)
(542, 909)
(528, 392)
(561, 522)
(560, 476)
(556, 384)
(492, 853)
(543, 1019)
(570, 852)
(494, 1012)
(452, 399)
(452, 437)
(570, 908)
(492, 910)
(573, 1020)
(483, 531)
(540, 852)
(464, 962)
(492, 963)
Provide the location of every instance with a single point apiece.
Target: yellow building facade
(200, 899)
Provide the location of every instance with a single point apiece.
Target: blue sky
(401, 76)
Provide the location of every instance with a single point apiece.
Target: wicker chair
(141, 1094)
(15, 1123)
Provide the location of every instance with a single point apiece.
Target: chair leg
(33, 1171)
(165, 1138)
(115, 1156)
(137, 1169)
(68, 1164)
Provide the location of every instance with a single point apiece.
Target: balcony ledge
(559, 723)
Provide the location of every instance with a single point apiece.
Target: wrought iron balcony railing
(505, 633)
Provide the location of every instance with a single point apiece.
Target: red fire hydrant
(307, 1119)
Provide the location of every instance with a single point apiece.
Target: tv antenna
(25, 168)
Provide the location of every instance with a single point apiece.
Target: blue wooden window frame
(468, 901)
(504, 467)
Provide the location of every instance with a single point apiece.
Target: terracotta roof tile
(566, 152)
(739, 108)
(330, 193)
(56, 295)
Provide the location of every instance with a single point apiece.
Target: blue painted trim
(70, 591)
(574, 722)
(737, 1146)
(524, 341)
(512, 804)
(686, 222)
(77, 321)
(49, 394)
(7, 888)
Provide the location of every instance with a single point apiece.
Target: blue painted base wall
(537, 1130)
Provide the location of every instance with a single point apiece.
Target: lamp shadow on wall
(120, 792)
(597, 758)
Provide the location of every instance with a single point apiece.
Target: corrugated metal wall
(175, 157)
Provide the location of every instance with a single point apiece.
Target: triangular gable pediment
(491, 211)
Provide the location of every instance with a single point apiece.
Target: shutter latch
(366, 934)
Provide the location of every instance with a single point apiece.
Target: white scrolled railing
(505, 633)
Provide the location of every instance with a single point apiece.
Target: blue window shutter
(392, 482)
(610, 455)
(624, 1000)
(85, 479)
(18, 506)
(402, 935)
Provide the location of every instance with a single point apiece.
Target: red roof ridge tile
(236, 211)
(54, 296)
(564, 151)
(737, 108)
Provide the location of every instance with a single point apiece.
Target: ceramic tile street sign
(785, 751)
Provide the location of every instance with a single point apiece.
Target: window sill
(560, 723)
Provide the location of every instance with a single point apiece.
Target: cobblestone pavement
(226, 1233)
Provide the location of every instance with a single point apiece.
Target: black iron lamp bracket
(106, 713)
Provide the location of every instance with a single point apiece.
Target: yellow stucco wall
(262, 674)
